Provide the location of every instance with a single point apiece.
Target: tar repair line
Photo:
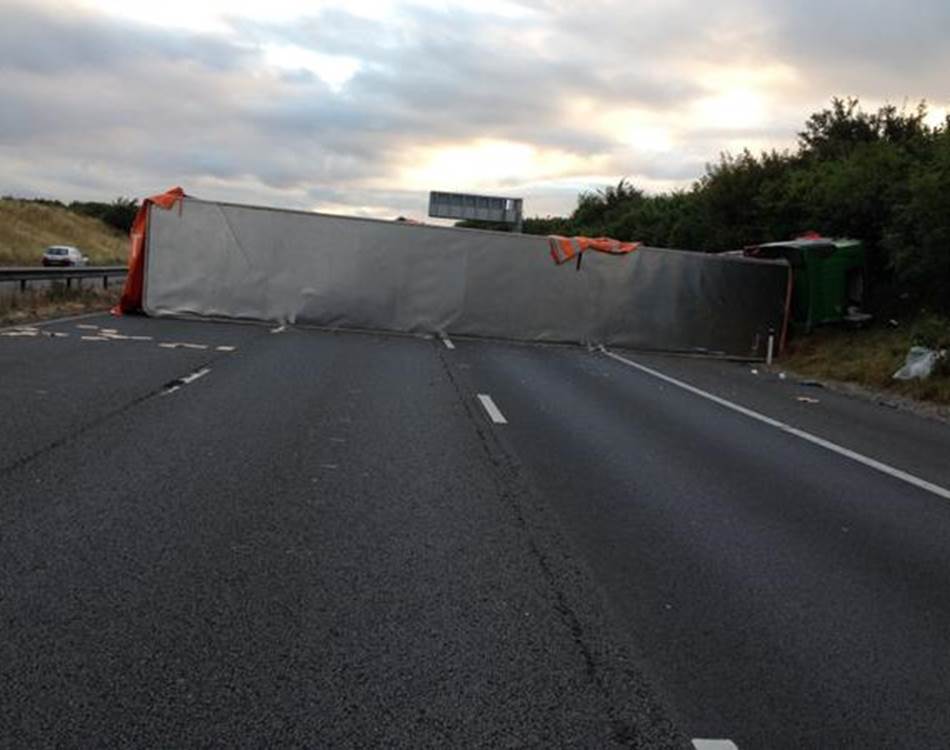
(807, 436)
(493, 411)
(714, 745)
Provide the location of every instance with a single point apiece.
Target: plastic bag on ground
(919, 363)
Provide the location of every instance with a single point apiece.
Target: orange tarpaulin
(131, 300)
(564, 249)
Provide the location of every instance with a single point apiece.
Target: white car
(64, 255)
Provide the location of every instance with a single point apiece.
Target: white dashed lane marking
(448, 343)
(96, 333)
(176, 385)
(714, 745)
(195, 375)
(493, 411)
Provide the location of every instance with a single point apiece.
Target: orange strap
(131, 300)
(564, 249)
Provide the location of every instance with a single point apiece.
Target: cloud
(365, 109)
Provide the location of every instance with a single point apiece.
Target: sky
(363, 107)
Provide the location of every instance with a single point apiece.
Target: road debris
(919, 364)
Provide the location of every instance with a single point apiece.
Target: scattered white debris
(920, 363)
(781, 376)
(754, 371)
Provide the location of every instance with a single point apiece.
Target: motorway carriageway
(242, 535)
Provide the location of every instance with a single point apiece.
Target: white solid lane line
(493, 411)
(195, 375)
(448, 343)
(807, 436)
(714, 745)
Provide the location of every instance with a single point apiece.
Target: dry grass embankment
(28, 228)
(55, 302)
(869, 357)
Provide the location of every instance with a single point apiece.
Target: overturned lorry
(210, 259)
(829, 278)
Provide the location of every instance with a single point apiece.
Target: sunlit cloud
(204, 15)
(937, 116)
(364, 108)
(334, 70)
(483, 164)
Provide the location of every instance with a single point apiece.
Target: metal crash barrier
(23, 275)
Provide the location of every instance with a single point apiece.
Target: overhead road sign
(471, 207)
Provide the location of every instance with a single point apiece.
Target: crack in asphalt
(511, 486)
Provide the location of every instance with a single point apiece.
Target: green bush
(932, 331)
(882, 177)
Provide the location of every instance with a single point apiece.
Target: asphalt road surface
(235, 535)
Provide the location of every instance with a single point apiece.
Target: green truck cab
(828, 278)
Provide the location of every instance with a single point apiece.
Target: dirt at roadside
(890, 399)
(34, 307)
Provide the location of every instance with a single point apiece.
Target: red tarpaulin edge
(131, 300)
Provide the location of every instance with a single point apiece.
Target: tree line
(882, 177)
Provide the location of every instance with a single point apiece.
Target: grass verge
(870, 357)
(55, 302)
(27, 228)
